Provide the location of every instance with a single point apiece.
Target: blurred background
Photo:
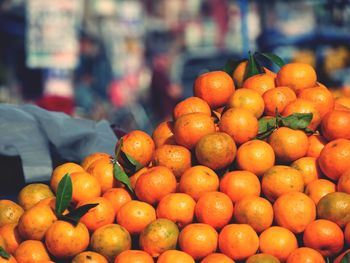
(130, 61)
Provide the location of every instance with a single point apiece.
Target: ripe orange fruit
(239, 184)
(2, 242)
(214, 87)
(84, 186)
(190, 128)
(248, 99)
(89, 256)
(334, 158)
(31, 251)
(98, 216)
(91, 158)
(262, 258)
(240, 124)
(304, 106)
(117, 197)
(214, 209)
(278, 241)
(163, 134)
(133, 179)
(288, 144)
(254, 211)
(344, 183)
(238, 241)
(138, 145)
(10, 260)
(308, 167)
(347, 233)
(110, 240)
(304, 255)
(12, 238)
(319, 188)
(198, 240)
(191, 105)
(297, 76)
(216, 150)
(255, 156)
(35, 221)
(336, 124)
(64, 240)
(175, 256)
(294, 211)
(335, 207)
(324, 236)
(344, 101)
(159, 236)
(32, 194)
(135, 215)
(177, 207)
(217, 257)
(177, 158)
(277, 99)
(60, 171)
(154, 184)
(260, 83)
(197, 180)
(133, 256)
(10, 212)
(316, 144)
(281, 179)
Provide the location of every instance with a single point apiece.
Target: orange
(248, 99)
(288, 144)
(297, 76)
(308, 167)
(12, 238)
(262, 258)
(238, 241)
(278, 241)
(277, 99)
(134, 216)
(84, 186)
(133, 178)
(335, 158)
(177, 207)
(110, 240)
(117, 197)
(2, 242)
(154, 184)
(159, 236)
(214, 209)
(65, 240)
(35, 221)
(338, 106)
(239, 184)
(10, 260)
(281, 179)
(316, 144)
(254, 211)
(191, 105)
(324, 236)
(176, 158)
(319, 188)
(31, 251)
(339, 258)
(32, 194)
(197, 180)
(175, 256)
(216, 150)
(133, 256)
(138, 145)
(344, 101)
(305, 255)
(98, 216)
(240, 124)
(214, 87)
(89, 257)
(335, 207)
(344, 183)
(163, 134)
(10, 212)
(347, 233)
(255, 156)
(217, 257)
(190, 128)
(91, 158)
(260, 83)
(198, 240)
(294, 211)
(336, 124)
(60, 171)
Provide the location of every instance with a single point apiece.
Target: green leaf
(131, 162)
(64, 194)
(4, 254)
(121, 176)
(297, 121)
(75, 215)
(231, 65)
(346, 258)
(266, 124)
(274, 59)
(253, 67)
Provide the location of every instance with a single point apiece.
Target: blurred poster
(52, 33)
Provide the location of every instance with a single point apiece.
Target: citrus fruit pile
(255, 167)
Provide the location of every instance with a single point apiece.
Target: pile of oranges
(250, 169)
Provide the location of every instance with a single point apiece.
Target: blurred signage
(52, 28)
